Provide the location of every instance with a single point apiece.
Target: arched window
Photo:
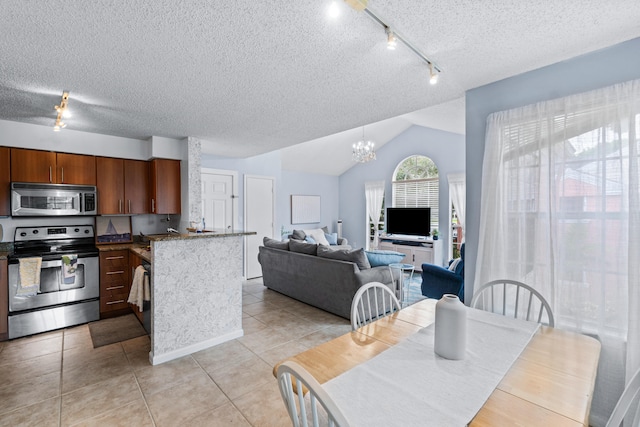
(415, 185)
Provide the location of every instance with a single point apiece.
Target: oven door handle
(57, 263)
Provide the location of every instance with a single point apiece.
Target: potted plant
(434, 234)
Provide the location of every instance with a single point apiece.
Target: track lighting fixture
(62, 112)
(393, 37)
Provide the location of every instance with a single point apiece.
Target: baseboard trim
(193, 348)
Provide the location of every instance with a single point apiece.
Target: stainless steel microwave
(32, 199)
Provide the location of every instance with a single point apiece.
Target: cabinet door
(407, 251)
(33, 165)
(4, 301)
(136, 186)
(76, 169)
(165, 184)
(5, 181)
(422, 256)
(110, 183)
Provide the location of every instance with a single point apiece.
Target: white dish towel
(140, 291)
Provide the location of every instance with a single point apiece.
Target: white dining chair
(513, 298)
(372, 302)
(317, 408)
(624, 404)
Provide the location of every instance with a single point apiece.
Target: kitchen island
(196, 292)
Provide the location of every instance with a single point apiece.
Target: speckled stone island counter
(196, 292)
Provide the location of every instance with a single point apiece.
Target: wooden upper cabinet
(51, 167)
(165, 186)
(136, 186)
(33, 165)
(75, 169)
(110, 184)
(5, 182)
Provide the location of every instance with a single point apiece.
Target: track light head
(433, 75)
(392, 41)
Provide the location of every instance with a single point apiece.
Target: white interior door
(259, 206)
(218, 198)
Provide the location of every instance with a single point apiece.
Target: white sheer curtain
(560, 211)
(374, 193)
(458, 191)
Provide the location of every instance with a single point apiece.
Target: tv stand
(417, 249)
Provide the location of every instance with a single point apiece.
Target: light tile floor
(59, 379)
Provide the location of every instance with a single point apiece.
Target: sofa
(437, 281)
(318, 275)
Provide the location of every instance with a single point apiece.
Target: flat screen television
(409, 221)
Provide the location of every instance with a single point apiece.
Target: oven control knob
(35, 231)
(23, 234)
(76, 230)
(86, 231)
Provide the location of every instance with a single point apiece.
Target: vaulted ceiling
(249, 77)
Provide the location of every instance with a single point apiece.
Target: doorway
(259, 216)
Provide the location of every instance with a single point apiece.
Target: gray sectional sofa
(318, 277)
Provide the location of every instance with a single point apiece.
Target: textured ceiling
(253, 76)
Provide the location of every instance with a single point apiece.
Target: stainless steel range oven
(53, 279)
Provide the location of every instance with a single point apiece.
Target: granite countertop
(205, 234)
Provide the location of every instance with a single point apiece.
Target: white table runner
(409, 385)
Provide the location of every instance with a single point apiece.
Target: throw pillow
(377, 258)
(332, 238)
(317, 235)
(310, 239)
(276, 244)
(356, 256)
(454, 264)
(298, 234)
(302, 247)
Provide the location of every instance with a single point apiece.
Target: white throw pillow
(454, 264)
(317, 235)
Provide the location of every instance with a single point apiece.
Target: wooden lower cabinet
(114, 283)
(4, 301)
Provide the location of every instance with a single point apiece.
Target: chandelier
(363, 150)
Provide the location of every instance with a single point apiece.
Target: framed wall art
(305, 209)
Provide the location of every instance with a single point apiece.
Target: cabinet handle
(110, 288)
(62, 179)
(115, 257)
(115, 302)
(120, 205)
(153, 205)
(50, 175)
(129, 205)
(115, 272)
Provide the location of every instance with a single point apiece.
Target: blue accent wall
(615, 64)
(447, 151)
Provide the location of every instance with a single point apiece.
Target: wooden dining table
(550, 383)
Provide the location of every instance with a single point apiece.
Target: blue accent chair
(437, 281)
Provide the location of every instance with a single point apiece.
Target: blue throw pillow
(332, 238)
(378, 258)
(310, 239)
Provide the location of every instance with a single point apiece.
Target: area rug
(117, 329)
(413, 292)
